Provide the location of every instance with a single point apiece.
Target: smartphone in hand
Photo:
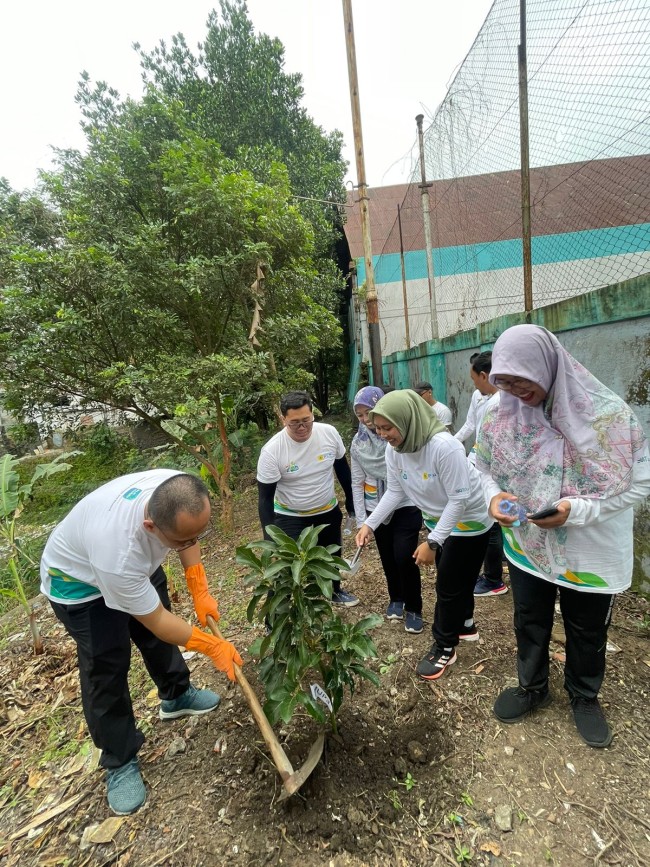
(543, 513)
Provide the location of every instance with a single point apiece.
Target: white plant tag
(319, 694)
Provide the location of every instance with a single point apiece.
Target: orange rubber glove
(197, 584)
(221, 652)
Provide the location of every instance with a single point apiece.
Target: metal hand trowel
(355, 562)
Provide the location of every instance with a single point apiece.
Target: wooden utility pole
(525, 161)
(407, 335)
(424, 186)
(372, 308)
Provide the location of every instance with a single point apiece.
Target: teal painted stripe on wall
(493, 256)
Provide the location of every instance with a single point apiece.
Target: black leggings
(586, 619)
(458, 564)
(103, 637)
(396, 543)
(493, 563)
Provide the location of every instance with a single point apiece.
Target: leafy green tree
(142, 293)
(235, 89)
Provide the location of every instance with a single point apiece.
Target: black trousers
(103, 637)
(493, 562)
(586, 619)
(458, 564)
(293, 525)
(396, 543)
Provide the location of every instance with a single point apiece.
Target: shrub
(292, 589)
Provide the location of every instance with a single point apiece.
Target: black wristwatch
(433, 545)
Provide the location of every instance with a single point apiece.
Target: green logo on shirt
(132, 494)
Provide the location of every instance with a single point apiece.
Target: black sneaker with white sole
(435, 662)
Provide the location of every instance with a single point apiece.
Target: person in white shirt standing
(490, 581)
(295, 479)
(425, 463)
(425, 390)
(102, 572)
(571, 456)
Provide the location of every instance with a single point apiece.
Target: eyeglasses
(182, 546)
(296, 425)
(513, 385)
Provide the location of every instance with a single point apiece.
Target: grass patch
(60, 743)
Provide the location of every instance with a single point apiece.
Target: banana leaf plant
(13, 497)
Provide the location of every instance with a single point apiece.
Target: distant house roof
(471, 210)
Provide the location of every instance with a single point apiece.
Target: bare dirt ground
(425, 775)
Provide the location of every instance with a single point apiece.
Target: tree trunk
(258, 293)
(223, 477)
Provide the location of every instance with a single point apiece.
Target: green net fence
(589, 140)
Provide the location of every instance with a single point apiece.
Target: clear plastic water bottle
(510, 507)
(349, 525)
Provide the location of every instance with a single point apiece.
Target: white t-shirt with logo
(303, 471)
(479, 405)
(439, 480)
(102, 549)
(443, 412)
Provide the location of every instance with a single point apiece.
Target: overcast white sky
(407, 53)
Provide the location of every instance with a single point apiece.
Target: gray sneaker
(193, 702)
(125, 788)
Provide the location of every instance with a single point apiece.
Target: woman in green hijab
(425, 463)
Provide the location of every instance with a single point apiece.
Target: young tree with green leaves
(292, 587)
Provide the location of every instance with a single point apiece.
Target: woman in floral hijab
(397, 537)
(561, 439)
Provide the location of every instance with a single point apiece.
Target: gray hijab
(368, 448)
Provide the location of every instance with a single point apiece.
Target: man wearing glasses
(102, 572)
(295, 479)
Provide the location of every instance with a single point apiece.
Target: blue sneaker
(413, 622)
(485, 587)
(126, 791)
(395, 611)
(193, 702)
(342, 597)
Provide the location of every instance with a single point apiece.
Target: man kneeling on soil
(101, 570)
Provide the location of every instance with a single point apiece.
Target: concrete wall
(477, 282)
(607, 330)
